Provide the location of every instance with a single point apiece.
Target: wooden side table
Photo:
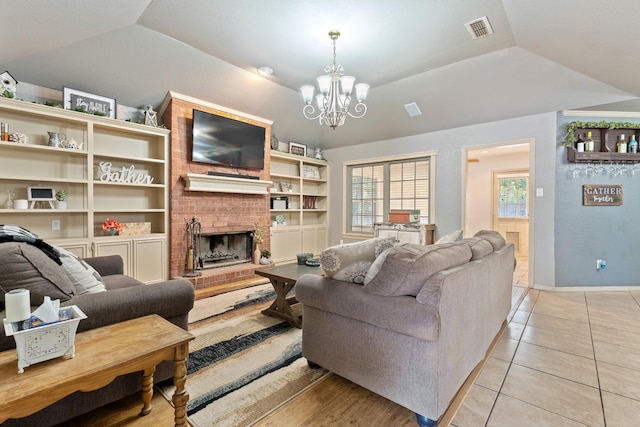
(102, 354)
(283, 278)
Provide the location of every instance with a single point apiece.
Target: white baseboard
(585, 288)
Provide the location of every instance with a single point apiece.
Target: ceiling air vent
(412, 109)
(479, 27)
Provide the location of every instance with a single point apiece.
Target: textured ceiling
(544, 55)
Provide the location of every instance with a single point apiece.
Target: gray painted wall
(542, 129)
(587, 233)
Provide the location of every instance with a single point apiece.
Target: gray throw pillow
(25, 266)
(480, 247)
(407, 267)
(495, 238)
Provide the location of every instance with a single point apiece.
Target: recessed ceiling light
(265, 71)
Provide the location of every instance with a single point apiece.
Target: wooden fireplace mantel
(224, 184)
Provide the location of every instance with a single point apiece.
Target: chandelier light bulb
(333, 103)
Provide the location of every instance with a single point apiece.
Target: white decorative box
(45, 342)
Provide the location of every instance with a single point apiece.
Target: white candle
(17, 305)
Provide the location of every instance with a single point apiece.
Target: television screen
(224, 141)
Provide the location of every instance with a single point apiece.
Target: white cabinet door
(314, 239)
(116, 247)
(285, 243)
(150, 260)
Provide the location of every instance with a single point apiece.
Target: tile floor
(566, 359)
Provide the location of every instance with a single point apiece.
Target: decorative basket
(45, 342)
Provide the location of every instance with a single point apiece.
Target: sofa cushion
(350, 262)
(454, 236)
(25, 266)
(84, 277)
(479, 247)
(495, 238)
(407, 267)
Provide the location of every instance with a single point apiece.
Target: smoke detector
(479, 27)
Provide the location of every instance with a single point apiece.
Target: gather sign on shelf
(123, 175)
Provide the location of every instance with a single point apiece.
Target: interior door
(511, 207)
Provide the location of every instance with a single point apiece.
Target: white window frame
(397, 158)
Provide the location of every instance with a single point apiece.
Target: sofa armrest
(106, 265)
(169, 299)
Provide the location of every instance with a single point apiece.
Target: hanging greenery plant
(569, 138)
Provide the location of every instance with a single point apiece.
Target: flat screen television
(223, 141)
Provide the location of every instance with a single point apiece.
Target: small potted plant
(61, 199)
(265, 254)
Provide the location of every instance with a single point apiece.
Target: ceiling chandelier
(334, 100)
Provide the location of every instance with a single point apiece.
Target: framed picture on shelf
(309, 171)
(299, 149)
(88, 103)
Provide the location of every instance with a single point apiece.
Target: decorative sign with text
(601, 195)
(122, 175)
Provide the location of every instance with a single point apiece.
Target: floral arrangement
(258, 233)
(112, 224)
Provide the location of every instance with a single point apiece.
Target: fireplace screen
(218, 250)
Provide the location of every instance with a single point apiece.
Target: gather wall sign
(601, 195)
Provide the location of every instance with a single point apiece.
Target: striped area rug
(242, 364)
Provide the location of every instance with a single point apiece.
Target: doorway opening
(497, 196)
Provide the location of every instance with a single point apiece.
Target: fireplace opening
(224, 249)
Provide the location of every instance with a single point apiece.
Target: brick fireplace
(219, 213)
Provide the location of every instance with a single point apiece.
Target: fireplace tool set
(194, 232)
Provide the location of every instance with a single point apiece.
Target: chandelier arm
(309, 112)
(360, 110)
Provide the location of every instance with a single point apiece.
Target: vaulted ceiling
(544, 55)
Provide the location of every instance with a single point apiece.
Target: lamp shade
(307, 93)
(361, 91)
(347, 84)
(324, 83)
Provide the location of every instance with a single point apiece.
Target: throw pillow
(350, 262)
(495, 238)
(407, 267)
(451, 237)
(25, 266)
(84, 277)
(479, 247)
(376, 266)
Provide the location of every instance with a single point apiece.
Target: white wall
(448, 196)
(479, 195)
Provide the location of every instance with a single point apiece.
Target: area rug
(242, 364)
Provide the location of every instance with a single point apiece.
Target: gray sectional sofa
(119, 298)
(411, 322)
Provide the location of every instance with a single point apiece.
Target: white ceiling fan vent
(479, 27)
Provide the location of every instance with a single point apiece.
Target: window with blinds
(377, 188)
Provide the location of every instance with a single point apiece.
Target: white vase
(60, 204)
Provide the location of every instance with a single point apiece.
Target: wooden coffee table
(101, 355)
(283, 278)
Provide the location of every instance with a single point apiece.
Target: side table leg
(180, 395)
(147, 390)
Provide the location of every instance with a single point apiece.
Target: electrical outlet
(55, 224)
(601, 264)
